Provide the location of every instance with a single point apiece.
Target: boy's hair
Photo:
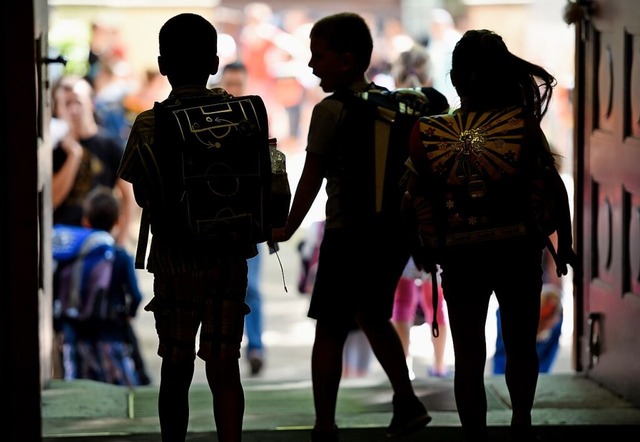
(235, 66)
(188, 41)
(234, 78)
(346, 32)
(101, 209)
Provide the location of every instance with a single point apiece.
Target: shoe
(409, 416)
(143, 379)
(324, 435)
(439, 374)
(255, 362)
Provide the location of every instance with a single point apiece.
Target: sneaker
(324, 435)
(409, 416)
(255, 362)
(439, 374)
(144, 379)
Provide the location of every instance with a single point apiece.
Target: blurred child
(412, 69)
(94, 313)
(234, 80)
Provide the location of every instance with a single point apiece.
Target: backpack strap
(433, 271)
(385, 116)
(143, 239)
(382, 128)
(560, 267)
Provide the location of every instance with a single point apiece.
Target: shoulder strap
(385, 116)
(435, 328)
(143, 239)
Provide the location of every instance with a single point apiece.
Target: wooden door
(608, 154)
(25, 182)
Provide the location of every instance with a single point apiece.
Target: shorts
(410, 294)
(212, 301)
(357, 275)
(511, 269)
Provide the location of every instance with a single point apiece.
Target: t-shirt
(323, 126)
(98, 167)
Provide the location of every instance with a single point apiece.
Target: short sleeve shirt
(321, 140)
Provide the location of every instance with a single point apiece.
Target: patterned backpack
(484, 177)
(209, 172)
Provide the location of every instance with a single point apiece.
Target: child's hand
(279, 235)
(566, 257)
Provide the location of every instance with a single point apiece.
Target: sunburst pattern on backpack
(472, 162)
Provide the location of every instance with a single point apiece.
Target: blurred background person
(413, 69)
(234, 80)
(442, 38)
(85, 157)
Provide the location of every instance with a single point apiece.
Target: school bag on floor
(486, 177)
(83, 264)
(210, 174)
(373, 155)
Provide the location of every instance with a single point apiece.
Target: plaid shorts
(212, 302)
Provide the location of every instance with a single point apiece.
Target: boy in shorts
(194, 286)
(341, 46)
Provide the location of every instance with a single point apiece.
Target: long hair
(413, 68)
(487, 76)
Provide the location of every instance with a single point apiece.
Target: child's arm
(306, 192)
(132, 290)
(127, 207)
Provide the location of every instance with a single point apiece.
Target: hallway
(279, 404)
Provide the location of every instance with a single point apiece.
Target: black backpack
(374, 135)
(209, 173)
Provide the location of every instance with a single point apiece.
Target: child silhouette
(195, 286)
(341, 47)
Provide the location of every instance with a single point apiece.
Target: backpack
(209, 173)
(373, 154)
(485, 177)
(83, 265)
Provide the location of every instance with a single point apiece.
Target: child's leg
(326, 371)
(363, 353)
(519, 315)
(220, 342)
(387, 348)
(223, 376)
(253, 320)
(467, 303)
(177, 328)
(405, 302)
(173, 399)
(440, 342)
(356, 355)
(518, 294)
